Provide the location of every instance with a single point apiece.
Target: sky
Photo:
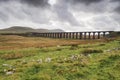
(68, 15)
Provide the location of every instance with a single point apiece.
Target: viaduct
(73, 35)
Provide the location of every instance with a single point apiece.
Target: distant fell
(19, 29)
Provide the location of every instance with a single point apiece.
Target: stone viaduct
(73, 35)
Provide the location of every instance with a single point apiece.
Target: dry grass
(17, 42)
(9, 56)
(90, 51)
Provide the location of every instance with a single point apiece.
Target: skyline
(68, 15)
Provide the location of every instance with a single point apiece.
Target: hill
(19, 29)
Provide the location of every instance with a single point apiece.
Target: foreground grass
(98, 61)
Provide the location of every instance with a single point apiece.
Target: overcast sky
(69, 15)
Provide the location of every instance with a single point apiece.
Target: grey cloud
(36, 3)
(91, 6)
(115, 0)
(3, 16)
(4, 0)
(117, 9)
(23, 12)
(64, 14)
(107, 22)
(36, 15)
(87, 2)
(116, 18)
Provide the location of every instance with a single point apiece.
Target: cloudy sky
(69, 15)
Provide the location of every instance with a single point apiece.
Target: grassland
(34, 58)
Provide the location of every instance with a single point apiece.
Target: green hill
(18, 29)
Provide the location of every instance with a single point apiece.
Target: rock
(5, 65)
(5, 70)
(9, 73)
(39, 61)
(48, 60)
(24, 62)
(58, 46)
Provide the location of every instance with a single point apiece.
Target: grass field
(34, 58)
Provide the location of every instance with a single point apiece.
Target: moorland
(36, 58)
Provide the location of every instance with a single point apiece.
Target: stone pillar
(80, 35)
(63, 35)
(76, 35)
(66, 35)
(69, 35)
(104, 34)
(41, 34)
(44, 34)
(73, 35)
(55, 35)
(111, 33)
(93, 35)
(84, 35)
(49, 35)
(52, 35)
(98, 35)
(60, 35)
(89, 36)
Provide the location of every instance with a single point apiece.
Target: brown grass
(9, 56)
(17, 42)
(90, 51)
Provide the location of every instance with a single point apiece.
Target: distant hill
(18, 29)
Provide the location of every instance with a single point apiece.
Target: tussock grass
(91, 51)
(15, 55)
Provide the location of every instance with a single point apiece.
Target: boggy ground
(30, 58)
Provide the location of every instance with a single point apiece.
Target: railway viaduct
(73, 35)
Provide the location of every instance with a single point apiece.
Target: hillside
(18, 29)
